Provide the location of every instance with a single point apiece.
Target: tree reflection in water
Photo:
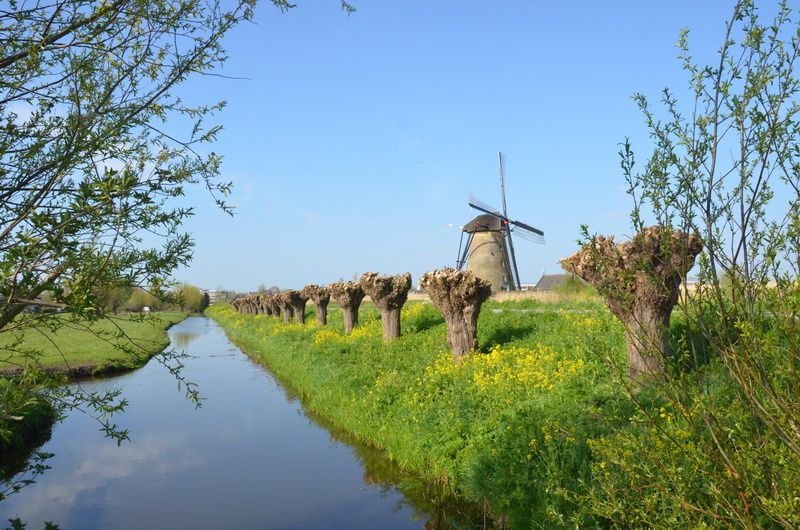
(436, 504)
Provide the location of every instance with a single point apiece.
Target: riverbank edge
(424, 489)
(103, 368)
(33, 429)
(41, 416)
(263, 357)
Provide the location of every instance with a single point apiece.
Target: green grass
(86, 348)
(508, 428)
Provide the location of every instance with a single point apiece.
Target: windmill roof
(484, 223)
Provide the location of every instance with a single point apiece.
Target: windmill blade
(524, 233)
(513, 261)
(527, 227)
(485, 208)
(462, 260)
(503, 183)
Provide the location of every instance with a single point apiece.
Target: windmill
(489, 248)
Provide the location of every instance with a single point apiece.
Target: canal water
(250, 457)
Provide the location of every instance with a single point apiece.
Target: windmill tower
(489, 248)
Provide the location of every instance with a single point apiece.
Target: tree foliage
(189, 298)
(86, 161)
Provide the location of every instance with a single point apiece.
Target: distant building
(548, 282)
(214, 295)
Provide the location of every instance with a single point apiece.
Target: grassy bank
(509, 429)
(68, 349)
(88, 348)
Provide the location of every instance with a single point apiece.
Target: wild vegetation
(508, 428)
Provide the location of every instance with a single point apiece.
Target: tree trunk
(462, 331)
(348, 295)
(322, 314)
(300, 312)
(320, 296)
(390, 319)
(350, 315)
(646, 333)
(287, 313)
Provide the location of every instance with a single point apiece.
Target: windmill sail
(511, 257)
(529, 236)
(523, 230)
(527, 232)
(476, 203)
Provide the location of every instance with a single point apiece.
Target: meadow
(81, 348)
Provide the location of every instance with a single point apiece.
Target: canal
(249, 457)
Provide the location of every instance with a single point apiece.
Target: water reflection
(428, 502)
(181, 339)
(249, 458)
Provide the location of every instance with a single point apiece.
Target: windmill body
(489, 248)
(487, 256)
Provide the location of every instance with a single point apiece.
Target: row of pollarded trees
(458, 294)
(639, 279)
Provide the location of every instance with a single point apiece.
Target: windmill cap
(484, 223)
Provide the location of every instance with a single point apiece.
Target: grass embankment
(71, 349)
(508, 429)
(80, 349)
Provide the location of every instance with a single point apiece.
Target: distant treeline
(115, 299)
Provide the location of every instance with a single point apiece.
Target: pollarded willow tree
(725, 165)
(459, 295)
(388, 293)
(285, 303)
(274, 304)
(349, 296)
(297, 300)
(263, 305)
(320, 296)
(640, 280)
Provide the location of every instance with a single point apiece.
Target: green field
(508, 429)
(84, 348)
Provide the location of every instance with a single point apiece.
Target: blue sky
(356, 140)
